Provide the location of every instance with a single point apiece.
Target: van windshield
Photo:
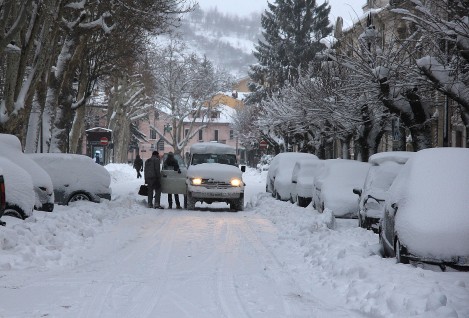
(227, 159)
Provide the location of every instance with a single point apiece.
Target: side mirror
(293, 181)
(243, 168)
(357, 191)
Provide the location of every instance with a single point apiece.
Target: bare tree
(184, 84)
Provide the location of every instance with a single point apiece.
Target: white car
(302, 180)
(213, 175)
(280, 171)
(75, 177)
(19, 190)
(333, 187)
(384, 168)
(426, 215)
(44, 191)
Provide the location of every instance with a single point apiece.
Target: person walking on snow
(172, 162)
(138, 165)
(152, 174)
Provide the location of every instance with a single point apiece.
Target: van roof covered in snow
(212, 148)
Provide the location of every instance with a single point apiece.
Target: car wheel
(237, 205)
(300, 201)
(79, 197)
(399, 251)
(14, 211)
(381, 244)
(190, 201)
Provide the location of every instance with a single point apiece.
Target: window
(200, 135)
(186, 132)
(231, 134)
(216, 135)
(161, 145)
(214, 115)
(152, 133)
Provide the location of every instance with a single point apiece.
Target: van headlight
(196, 181)
(236, 182)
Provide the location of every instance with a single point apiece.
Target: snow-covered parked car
(302, 179)
(333, 187)
(43, 189)
(75, 177)
(384, 168)
(213, 175)
(426, 216)
(280, 171)
(19, 190)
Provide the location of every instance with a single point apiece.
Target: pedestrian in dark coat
(138, 165)
(152, 174)
(172, 162)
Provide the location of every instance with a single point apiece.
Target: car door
(173, 181)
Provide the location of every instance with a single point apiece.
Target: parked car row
(38, 181)
(417, 203)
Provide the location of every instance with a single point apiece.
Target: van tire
(190, 202)
(238, 204)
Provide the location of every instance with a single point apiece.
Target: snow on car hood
(215, 171)
(77, 172)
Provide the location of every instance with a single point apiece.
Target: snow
(400, 157)
(18, 186)
(71, 173)
(280, 172)
(336, 182)
(304, 173)
(212, 148)
(11, 149)
(216, 171)
(432, 192)
(121, 259)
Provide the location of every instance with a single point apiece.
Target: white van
(213, 175)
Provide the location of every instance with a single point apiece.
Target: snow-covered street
(121, 259)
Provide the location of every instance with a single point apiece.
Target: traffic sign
(103, 141)
(263, 144)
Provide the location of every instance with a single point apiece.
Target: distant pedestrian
(138, 165)
(152, 174)
(172, 162)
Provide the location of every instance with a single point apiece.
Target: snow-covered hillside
(227, 40)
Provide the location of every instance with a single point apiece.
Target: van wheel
(237, 205)
(190, 201)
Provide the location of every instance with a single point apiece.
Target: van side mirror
(357, 191)
(243, 168)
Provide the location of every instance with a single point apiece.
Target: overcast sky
(347, 9)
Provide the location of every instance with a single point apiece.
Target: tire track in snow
(106, 289)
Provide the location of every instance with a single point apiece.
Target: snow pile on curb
(340, 258)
